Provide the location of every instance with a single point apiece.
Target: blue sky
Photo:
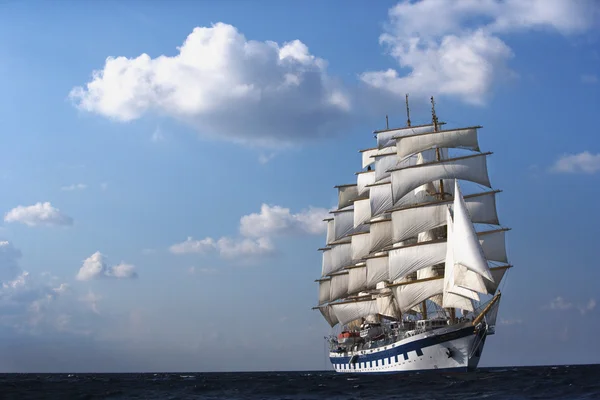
(270, 106)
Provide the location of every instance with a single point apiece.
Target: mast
(438, 158)
(407, 112)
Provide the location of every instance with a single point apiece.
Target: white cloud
(582, 162)
(104, 185)
(193, 246)
(231, 248)
(275, 219)
(459, 52)
(256, 231)
(260, 93)
(227, 247)
(9, 260)
(95, 267)
(590, 306)
(589, 78)
(75, 186)
(157, 135)
(24, 299)
(265, 158)
(122, 270)
(92, 300)
(38, 214)
(559, 303)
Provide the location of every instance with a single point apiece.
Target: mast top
(407, 112)
(433, 115)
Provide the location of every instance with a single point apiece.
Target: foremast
(391, 250)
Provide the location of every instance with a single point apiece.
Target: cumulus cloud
(231, 248)
(95, 266)
(75, 186)
(459, 52)
(584, 162)
(274, 219)
(559, 303)
(190, 245)
(226, 247)
(227, 86)
(25, 299)
(9, 260)
(37, 215)
(257, 230)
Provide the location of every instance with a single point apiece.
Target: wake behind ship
(411, 267)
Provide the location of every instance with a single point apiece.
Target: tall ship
(414, 254)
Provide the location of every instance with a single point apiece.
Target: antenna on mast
(407, 112)
(387, 124)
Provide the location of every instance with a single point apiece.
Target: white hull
(455, 348)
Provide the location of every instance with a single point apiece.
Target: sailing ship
(412, 265)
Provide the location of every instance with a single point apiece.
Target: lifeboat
(348, 337)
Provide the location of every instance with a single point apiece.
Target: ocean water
(561, 382)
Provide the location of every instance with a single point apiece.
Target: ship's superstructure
(412, 265)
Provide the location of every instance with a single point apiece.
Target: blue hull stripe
(409, 371)
(403, 350)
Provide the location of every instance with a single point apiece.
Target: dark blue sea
(561, 382)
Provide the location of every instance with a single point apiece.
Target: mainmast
(441, 194)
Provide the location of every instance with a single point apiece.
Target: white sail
(357, 278)
(337, 257)
(494, 246)
(470, 168)
(349, 311)
(465, 244)
(329, 315)
(339, 286)
(386, 138)
(377, 270)
(344, 222)
(330, 230)
(498, 274)
(450, 299)
(362, 212)
(364, 179)
(326, 265)
(380, 233)
(383, 162)
(367, 158)
(324, 290)
(386, 306)
(408, 259)
(411, 220)
(361, 245)
(465, 138)
(380, 197)
(410, 294)
(346, 195)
